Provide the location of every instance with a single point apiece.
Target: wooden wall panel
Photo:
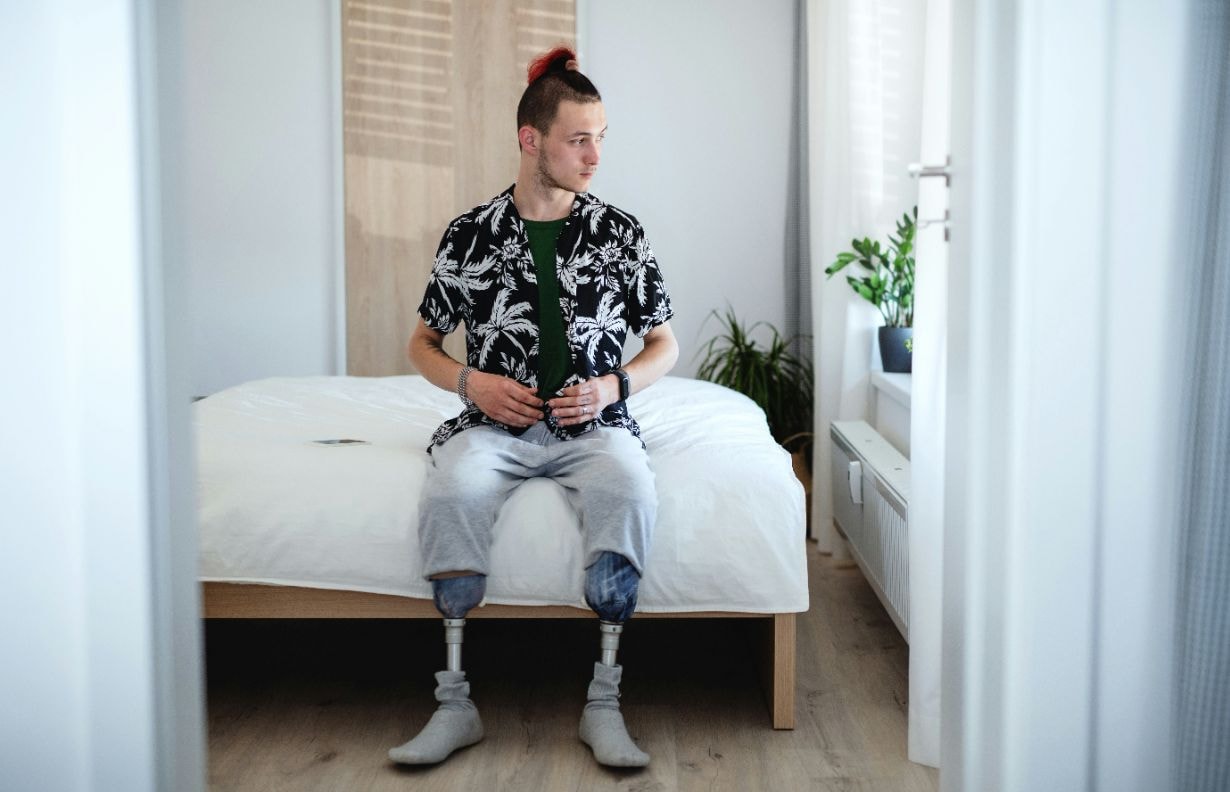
(430, 92)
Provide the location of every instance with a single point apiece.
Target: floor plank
(314, 704)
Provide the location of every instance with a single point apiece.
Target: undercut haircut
(553, 78)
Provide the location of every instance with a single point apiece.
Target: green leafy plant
(889, 280)
(780, 382)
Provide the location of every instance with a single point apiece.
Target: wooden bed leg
(777, 668)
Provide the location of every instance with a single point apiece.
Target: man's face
(569, 152)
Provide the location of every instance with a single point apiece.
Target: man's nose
(593, 153)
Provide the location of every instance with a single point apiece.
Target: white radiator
(871, 485)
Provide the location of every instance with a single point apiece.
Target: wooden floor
(314, 705)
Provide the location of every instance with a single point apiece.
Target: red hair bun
(542, 64)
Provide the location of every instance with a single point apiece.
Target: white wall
(699, 98)
(699, 151)
(255, 101)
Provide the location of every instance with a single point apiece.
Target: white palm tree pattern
(506, 321)
(607, 326)
(609, 283)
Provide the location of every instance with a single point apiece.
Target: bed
(296, 529)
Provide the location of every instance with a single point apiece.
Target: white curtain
(866, 78)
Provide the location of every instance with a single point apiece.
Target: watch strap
(625, 383)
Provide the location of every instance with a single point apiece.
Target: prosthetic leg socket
(455, 596)
(611, 585)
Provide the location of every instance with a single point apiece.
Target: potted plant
(780, 382)
(888, 284)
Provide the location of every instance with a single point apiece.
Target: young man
(548, 280)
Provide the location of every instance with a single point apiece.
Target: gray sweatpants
(605, 474)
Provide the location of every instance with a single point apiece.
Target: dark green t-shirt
(554, 358)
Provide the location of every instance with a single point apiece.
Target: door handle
(919, 171)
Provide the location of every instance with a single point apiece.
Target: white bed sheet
(276, 508)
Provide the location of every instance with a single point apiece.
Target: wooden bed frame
(253, 601)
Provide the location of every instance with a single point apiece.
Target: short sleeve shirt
(484, 276)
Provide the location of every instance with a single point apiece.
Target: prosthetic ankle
(455, 723)
(610, 589)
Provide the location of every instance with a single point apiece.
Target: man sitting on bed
(548, 280)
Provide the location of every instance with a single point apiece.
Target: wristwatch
(625, 384)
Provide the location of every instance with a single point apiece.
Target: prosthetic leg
(455, 723)
(610, 590)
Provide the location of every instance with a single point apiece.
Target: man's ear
(529, 139)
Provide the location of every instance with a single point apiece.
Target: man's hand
(504, 399)
(585, 400)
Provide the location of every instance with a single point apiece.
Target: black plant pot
(896, 349)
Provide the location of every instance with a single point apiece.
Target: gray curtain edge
(1201, 747)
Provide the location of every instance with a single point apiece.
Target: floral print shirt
(484, 276)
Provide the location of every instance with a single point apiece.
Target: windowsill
(894, 386)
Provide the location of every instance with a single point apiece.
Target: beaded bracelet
(461, 385)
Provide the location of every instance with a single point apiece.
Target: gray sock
(602, 724)
(455, 724)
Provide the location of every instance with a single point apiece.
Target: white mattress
(276, 508)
